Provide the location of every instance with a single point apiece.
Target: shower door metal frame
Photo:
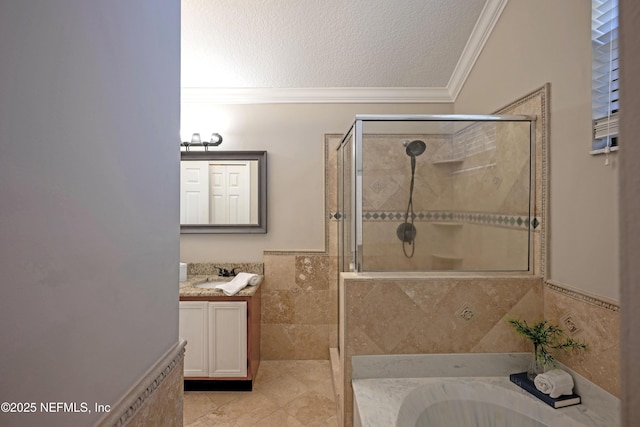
(357, 197)
(357, 168)
(532, 190)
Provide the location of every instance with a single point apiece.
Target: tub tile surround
(421, 313)
(393, 377)
(597, 323)
(594, 321)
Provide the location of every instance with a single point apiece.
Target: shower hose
(409, 215)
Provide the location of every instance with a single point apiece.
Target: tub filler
(469, 401)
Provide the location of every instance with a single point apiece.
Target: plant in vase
(545, 337)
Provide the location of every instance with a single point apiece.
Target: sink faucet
(223, 272)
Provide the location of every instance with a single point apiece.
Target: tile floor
(291, 393)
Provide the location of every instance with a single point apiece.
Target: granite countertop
(188, 287)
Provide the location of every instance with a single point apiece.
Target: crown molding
(362, 95)
(479, 36)
(328, 95)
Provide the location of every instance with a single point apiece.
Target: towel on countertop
(238, 283)
(555, 383)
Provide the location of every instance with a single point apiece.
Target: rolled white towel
(239, 282)
(555, 383)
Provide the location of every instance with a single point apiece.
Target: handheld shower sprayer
(406, 231)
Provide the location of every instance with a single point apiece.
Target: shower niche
(436, 193)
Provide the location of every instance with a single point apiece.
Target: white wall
(293, 135)
(89, 101)
(549, 41)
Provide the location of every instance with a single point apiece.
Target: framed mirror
(223, 192)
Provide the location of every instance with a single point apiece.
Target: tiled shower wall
(471, 199)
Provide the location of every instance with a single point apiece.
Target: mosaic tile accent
(563, 289)
(156, 399)
(498, 220)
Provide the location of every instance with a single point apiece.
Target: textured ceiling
(324, 43)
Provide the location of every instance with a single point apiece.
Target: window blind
(604, 46)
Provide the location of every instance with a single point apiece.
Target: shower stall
(436, 193)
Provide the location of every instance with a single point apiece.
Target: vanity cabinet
(223, 341)
(216, 334)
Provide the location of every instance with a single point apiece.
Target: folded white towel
(555, 383)
(239, 282)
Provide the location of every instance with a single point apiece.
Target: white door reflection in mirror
(194, 192)
(230, 192)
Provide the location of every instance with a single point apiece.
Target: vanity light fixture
(216, 139)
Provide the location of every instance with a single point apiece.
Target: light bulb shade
(216, 139)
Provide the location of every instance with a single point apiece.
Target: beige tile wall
(299, 306)
(455, 314)
(596, 322)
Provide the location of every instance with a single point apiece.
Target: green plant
(546, 336)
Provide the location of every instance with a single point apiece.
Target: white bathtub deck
(382, 383)
(380, 401)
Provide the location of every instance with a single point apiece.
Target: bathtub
(460, 401)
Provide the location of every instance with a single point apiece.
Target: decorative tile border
(581, 296)
(519, 222)
(123, 411)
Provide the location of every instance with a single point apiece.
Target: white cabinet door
(228, 339)
(194, 327)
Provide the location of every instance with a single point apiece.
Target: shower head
(415, 148)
